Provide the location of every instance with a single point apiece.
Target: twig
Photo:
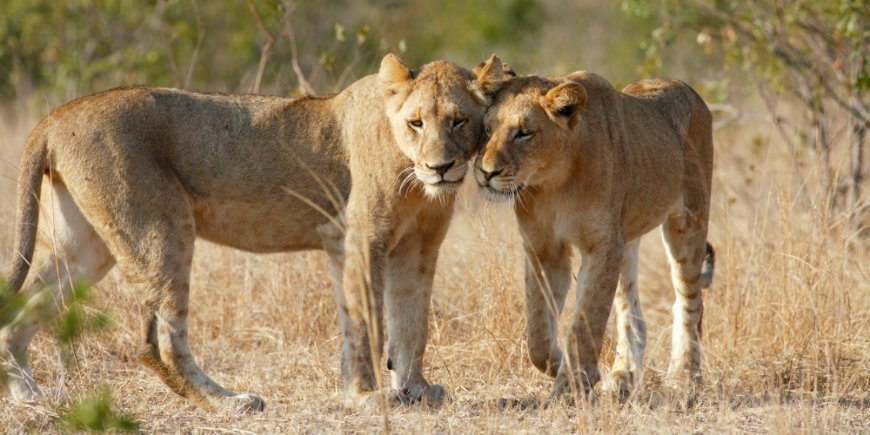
(195, 55)
(347, 70)
(265, 52)
(781, 128)
(304, 86)
(732, 114)
(790, 55)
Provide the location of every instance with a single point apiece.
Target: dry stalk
(265, 51)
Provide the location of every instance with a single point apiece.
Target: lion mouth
(448, 183)
(444, 186)
(503, 194)
(447, 180)
(441, 189)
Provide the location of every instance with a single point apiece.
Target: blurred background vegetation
(61, 50)
(810, 55)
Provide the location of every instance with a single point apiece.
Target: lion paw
(620, 383)
(244, 403)
(369, 401)
(23, 388)
(684, 387)
(429, 395)
(563, 393)
(683, 378)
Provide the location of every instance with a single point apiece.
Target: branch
(732, 114)
(199, 38)
(777, 121)
(784, 51)
(780, 128)
(304, 86)
(347, 70)
(265, 52)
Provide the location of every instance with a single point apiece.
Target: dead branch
(731, 114)
(265, 52)
(200, 36)
(304, 86)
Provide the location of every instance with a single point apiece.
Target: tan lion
(594, 168)
(135, 175)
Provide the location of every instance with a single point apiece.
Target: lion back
(677, 101)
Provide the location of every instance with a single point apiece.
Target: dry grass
(786, 327)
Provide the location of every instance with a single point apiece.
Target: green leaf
(339, 32)
(362, 33)
(95, 413)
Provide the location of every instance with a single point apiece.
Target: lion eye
(416, 123)
(487, 130)
(459, 122)
(523, 134)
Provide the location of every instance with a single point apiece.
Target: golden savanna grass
(786, 330)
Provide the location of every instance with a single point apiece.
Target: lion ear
(394, 77)
(489, 77)
(566, 101)
(509, 71)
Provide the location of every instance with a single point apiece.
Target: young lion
(595, 168)
(135, 175)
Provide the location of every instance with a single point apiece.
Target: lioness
(595, 168)
(135, 175)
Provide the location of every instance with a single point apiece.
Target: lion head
(436, 115)
(529, 127)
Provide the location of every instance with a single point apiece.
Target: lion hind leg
(627, 371)
(68, 252)
(151, 231)
(684, 235)
(164, 275)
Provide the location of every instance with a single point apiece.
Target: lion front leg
(596, 285)
(360, 303)
(409, 275)
(548, 276)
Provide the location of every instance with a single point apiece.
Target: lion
(593, 168)
(135, 175)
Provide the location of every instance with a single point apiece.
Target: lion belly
(646, 206)
(275, 226)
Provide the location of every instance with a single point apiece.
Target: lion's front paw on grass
(369, 401)
(426, 395)
(564, 394)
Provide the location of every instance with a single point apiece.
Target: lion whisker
(406, 170)
(518, 194)
(409, 181)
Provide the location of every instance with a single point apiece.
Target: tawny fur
(136, 174)
(593, 168)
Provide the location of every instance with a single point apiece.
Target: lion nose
(489, 175)
(442, 168)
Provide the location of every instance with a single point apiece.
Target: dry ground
(786, 325)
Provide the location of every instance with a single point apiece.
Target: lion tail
(708, 267)
(31, 169)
